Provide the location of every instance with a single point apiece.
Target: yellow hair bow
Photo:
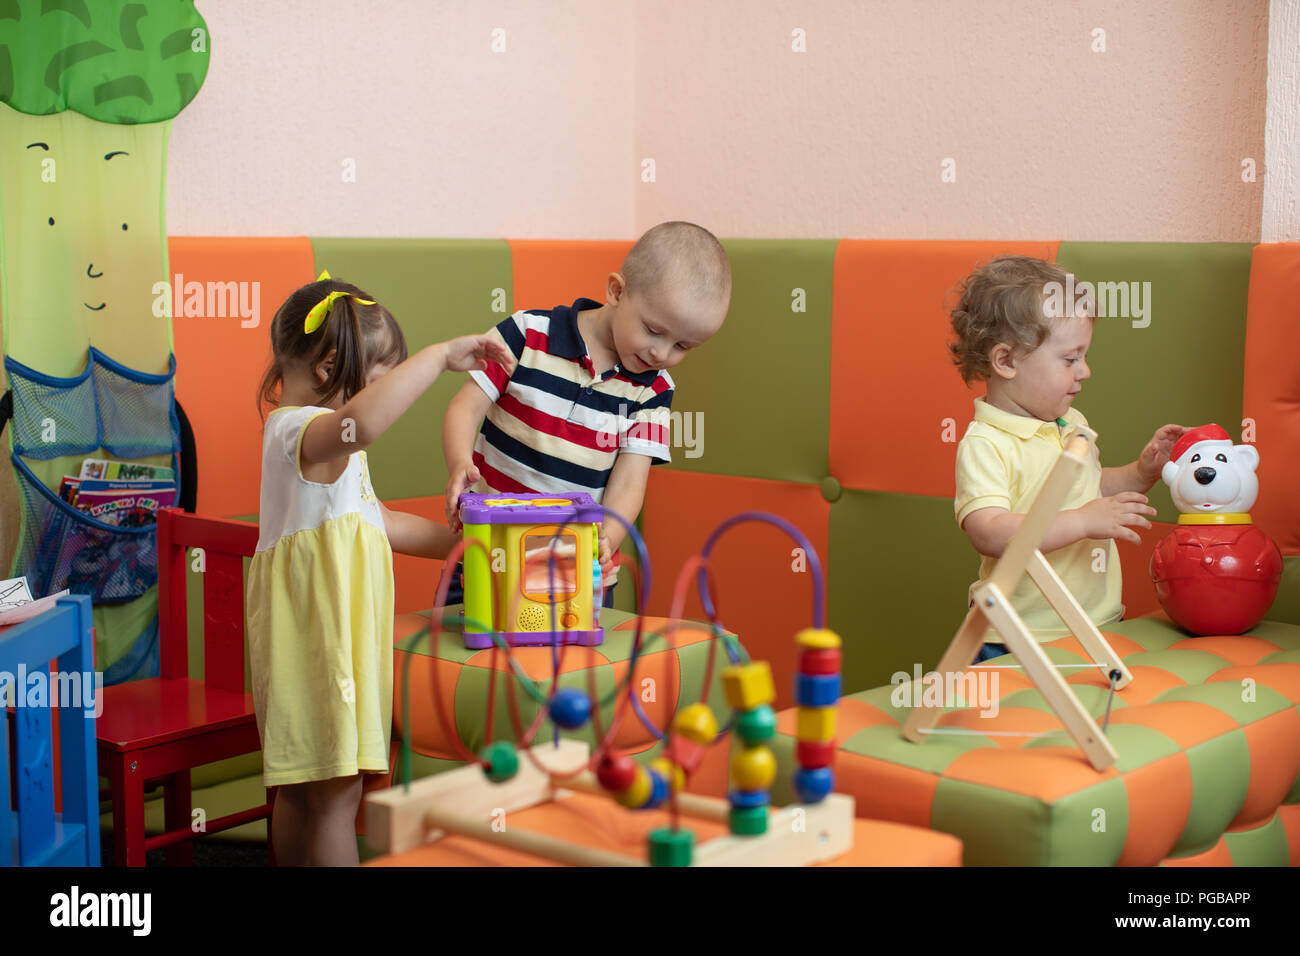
(321, 309)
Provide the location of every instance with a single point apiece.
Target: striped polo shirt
(557, 425)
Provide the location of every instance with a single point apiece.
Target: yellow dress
(320, 616)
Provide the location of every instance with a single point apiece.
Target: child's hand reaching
(606, 559)
(461, 480)
(1116, 516)
(1157, 451)
(471, 353)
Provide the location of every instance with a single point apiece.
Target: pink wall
(1051, 140)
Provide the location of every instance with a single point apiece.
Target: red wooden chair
(157, 729)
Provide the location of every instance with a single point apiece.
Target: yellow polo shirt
(1002, 462)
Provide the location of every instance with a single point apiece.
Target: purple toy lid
(530, 508)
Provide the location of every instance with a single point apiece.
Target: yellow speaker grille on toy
(532, 619)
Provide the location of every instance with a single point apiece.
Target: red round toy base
(1216, 579)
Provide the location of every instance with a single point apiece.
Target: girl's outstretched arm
(411, 534)
(370, 412)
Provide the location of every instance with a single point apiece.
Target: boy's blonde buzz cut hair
(682, 252)
(1002, 302)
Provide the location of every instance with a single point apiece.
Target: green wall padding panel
(762, 384)
(1186, 366)
(437, 289)
(899, 572)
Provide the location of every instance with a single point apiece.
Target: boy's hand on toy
(1117, 516)
(606, 558)
(1157, 452)
(473, 352)
(461, 479)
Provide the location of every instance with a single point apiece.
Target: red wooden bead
(815, 753)
(821, 662)
(685, 753)
(616, 773)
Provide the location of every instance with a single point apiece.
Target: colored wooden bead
(500, 761)
(757, 725)
(818, 639)
(635, 796)
(747, 821)
(570, 708)
(685, 753)
(827, 661)
(753, 768)
(675, 776)
(669, 847)
(696, 723)
(813, 784)
(811, 753)
(816, 723)
(749, 798)
(616, 772)
(658, 791)
(749, 685)
(816, 690)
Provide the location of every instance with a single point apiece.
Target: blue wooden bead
(570, 708)
(816, 690)
(812, 784)
(744, 799)
(658, 791)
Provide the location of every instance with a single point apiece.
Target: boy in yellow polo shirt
(1033, 365)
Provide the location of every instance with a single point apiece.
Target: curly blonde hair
(1001, 302)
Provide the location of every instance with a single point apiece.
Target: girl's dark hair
(362, 336)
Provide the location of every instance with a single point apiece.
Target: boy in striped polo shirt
(587, 407)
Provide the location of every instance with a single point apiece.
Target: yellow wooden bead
(697, 724)
(635, 796)
(749, 686)
(672, 773)
(753, 768)
(818, 639)
(816, 724)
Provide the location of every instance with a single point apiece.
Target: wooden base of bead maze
(992, 609)
(464, 802)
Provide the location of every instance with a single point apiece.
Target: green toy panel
(1186, 365)
(437, 289)
(760, 388)
(899, 573)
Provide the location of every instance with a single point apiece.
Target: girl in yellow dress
(320, 587)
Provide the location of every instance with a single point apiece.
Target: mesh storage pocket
(52, 416)
(136, 408)
(62, 548)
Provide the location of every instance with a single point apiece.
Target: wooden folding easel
(463, 801)
(992, 608)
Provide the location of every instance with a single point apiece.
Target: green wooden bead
(500, 761)
(669, 847)
(748, 821)
(757, 725)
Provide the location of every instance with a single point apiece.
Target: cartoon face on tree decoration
(1216, 573)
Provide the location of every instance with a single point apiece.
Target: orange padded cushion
(892, 383)
(1271, 393)
(219, 363)
(415, 580)
(548, 272)
(764, 592)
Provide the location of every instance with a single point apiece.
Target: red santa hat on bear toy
(1194, 436)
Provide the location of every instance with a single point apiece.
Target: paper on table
(14, 591)
(16, 614)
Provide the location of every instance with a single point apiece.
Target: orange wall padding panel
(1271, 394)
(1138, 593)
(682, 509)
(548, 273)
(892, 383)
(219, 362)
(415, 580)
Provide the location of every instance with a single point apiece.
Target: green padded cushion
(762, 384)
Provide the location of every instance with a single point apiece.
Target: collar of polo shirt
(1022, 426)
(566, 341)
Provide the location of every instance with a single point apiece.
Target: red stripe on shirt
(649, 431)
(496, 480)
(539, 420)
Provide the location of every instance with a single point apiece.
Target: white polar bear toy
(1208, 474)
